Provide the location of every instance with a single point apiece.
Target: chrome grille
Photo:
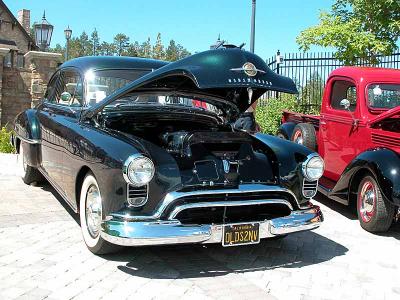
(309, 188)
(137, 195)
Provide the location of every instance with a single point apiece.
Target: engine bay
(207, 152)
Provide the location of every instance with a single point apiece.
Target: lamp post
(68, 33)
(43, 33)
(253, 25)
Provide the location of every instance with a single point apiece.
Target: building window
(9, 59)
(20, 60)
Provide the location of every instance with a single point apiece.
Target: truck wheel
(281, 134)
(304, 134)
(91, 215)
(28, 174)
(375, 213)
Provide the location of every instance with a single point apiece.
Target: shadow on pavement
(46, 186)
(193, 261)
(342, 209)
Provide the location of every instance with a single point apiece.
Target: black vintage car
(146, 153)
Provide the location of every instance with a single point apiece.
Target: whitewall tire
(91, 214)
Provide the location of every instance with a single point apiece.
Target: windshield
(100, 84)
(383, 96)
(164, 99)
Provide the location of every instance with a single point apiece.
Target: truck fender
(27, 130)
(286, 130)
(383, 164)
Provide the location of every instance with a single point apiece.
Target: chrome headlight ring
(138, 170)
(313, 167)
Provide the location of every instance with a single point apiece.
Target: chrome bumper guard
(144, 233)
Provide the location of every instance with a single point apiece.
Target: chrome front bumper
(143, 233)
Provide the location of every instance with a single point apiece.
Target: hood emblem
(249, 69)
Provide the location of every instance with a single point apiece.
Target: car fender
(27, 129)
(287, 158)
(383, 163)
(287, 129)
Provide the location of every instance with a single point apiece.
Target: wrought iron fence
(310, 71)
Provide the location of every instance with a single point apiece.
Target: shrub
(5, 145)
(269, 116)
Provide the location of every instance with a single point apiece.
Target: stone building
(24, 71)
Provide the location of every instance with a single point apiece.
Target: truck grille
(309, 188)
(137, 196)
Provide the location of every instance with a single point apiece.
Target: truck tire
(282, 134)
(375, 213)
(28, 173)
(304, 134)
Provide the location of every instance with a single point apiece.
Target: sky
(193, 24)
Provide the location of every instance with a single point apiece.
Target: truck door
(338, 127)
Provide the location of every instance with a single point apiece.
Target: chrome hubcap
(298, 138)
(93, 211)
(367, 201)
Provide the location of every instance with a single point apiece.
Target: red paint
(340, 139)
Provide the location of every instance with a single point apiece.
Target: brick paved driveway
(42, 255)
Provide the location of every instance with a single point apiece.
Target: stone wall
(21, 89)
(12, 32)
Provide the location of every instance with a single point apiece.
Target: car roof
(367, 74)
(86, 63)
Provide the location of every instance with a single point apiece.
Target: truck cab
(358, 135)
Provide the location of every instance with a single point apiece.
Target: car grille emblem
(227, 165)
(249, 69)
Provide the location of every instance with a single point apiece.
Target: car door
(62, 106)
(338, 127)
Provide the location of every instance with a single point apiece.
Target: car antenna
(241, 45)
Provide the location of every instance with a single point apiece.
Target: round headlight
(138, 170)
(313, 167)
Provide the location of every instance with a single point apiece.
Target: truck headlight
(313, 167)
(138, 170)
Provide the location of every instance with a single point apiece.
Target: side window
(48, 96)
(342, 89)
(67, 90)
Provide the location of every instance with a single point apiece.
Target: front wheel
(91, 215)
(375, 213)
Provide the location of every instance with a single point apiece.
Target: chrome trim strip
(309, 183)
(133, 186)
(183, 207)
(174, 196)
(26, 140)
(126, 233)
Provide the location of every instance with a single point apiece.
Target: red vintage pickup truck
(358, 135)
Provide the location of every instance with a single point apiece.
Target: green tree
(158, 49)
(106, 49)
(133, 49)
(356, 29)
(121, 42)
(145, 49)
(95, 40)
(171, 53)
(311, 94)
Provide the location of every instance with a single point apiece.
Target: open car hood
(225, 75)
(386, 115)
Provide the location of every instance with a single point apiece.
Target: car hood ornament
(249, 69)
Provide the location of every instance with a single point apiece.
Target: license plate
(241, 234)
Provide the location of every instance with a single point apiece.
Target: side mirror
(65, 97)
(345, 103)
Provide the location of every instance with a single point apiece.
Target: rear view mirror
(345, 103)
(65, 97)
